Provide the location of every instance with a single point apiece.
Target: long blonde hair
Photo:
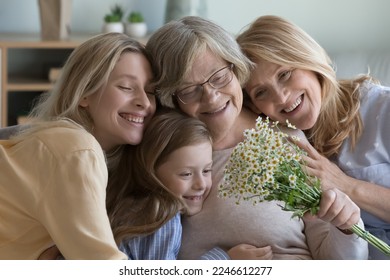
(279, 41)
(148, 204)
(86, 71)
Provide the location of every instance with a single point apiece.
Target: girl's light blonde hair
(279, 41)
(176, 45)
(149, 204)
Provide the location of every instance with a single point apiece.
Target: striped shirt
(164, 244)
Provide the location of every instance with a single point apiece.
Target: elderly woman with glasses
(200, 71)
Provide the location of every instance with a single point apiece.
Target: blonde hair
(149, 204)
(176, 45)
(279, 41)
(86, 71)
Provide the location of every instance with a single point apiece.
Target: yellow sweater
(52, 191)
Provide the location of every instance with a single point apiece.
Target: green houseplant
(135, 17)
(136, 25)
(113, 20)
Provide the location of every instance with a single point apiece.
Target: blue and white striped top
(164, 244)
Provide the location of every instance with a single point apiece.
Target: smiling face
(187, 173)
(123, 106)
(217, 108)
(283, 92)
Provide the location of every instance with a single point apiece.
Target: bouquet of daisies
(267, 166)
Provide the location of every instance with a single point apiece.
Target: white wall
(336, 24)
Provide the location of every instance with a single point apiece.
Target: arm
(368, 196)
(73, 206)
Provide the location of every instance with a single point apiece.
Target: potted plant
(136, 26)
(113, 21)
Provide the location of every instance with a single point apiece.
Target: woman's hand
(330, 174)
(249, 252)
(338, 209)
(368, 196)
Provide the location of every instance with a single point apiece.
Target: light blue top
(164, 244)
(370, 160)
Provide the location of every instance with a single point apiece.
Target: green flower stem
(373, 240)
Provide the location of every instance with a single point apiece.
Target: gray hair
(176, 45)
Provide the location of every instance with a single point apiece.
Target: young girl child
(171, 175)
(53, 176)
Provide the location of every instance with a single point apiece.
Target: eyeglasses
(218, 80)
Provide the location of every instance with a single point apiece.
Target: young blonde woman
(53, 176)
(200, 70)
(345, 121)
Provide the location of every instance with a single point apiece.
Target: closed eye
(285, 75)
(220, 78)
(125, 88)
(185, 174)
(259, 93)
(207, 171)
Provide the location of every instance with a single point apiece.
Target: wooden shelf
(28, 40)
(28, 84)
(22, 78)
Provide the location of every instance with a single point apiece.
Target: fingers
(306, 146)
(264, 253)
(250, 252)
(328, 206)
(338, 209)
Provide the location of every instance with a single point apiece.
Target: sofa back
(350, 64)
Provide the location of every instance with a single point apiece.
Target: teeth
(218, 110)
(193, 197)
(295, 105)
(133, 118)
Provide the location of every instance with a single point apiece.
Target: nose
(200, 183)
(209, 92)
(280, 95)
(143, 100)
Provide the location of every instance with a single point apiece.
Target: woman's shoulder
(64, 137)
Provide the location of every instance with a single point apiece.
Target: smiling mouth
(294, 106)
(220, 109)
(194, 198)
(133, 119)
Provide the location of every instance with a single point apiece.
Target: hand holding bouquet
(267, 166)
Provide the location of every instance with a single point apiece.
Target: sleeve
(164, 244)
(382, 116)
(326, 242)
(215, 254)
(73, 207)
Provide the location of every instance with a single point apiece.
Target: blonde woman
(53, 176)
(345, 121)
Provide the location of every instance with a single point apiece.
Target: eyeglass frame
(230, 66)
